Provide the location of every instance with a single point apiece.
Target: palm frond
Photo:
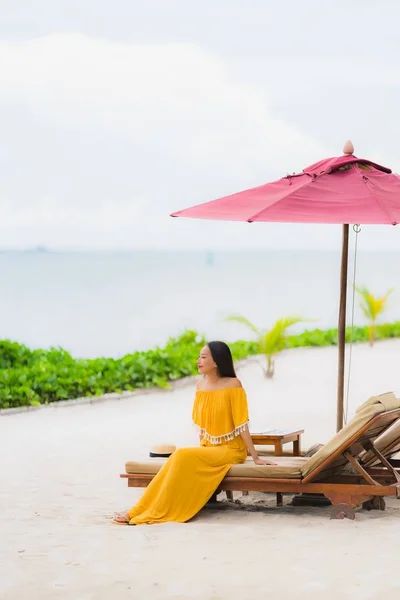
(271, 342)
(274, 340)
(371, 306)
(243, 321)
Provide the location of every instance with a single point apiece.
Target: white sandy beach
(60, 485)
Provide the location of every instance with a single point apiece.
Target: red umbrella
(345, 190)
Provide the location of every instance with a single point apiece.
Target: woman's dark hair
(222, 356)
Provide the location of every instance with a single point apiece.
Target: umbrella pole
(342, 327)
(320, 499)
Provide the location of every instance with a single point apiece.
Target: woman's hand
(259, 461)
(246, 437)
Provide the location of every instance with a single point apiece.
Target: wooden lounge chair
(350, 469)
(388, 443)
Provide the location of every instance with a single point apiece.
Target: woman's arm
(246, 437)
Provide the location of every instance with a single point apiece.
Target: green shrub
(43, 376)
(13, 354)
(32, 377)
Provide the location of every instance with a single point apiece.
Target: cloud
(131, 131)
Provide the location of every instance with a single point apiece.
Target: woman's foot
(121, 518)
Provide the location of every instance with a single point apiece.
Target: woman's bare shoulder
(233, 382)
(228, 383)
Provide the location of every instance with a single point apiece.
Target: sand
(59, 487)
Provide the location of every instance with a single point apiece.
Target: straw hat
(162, 450)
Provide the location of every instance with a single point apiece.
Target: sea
(113, 303)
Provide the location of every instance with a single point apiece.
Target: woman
(191, 475)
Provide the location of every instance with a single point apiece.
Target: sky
(115, 114)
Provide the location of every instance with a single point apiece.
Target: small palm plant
(372, 307)
(270, 342)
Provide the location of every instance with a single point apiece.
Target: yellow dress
(190, 476)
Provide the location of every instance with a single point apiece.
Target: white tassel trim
(219, 439)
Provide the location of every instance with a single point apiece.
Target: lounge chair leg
(376, 503)
(343, 504)
(214, 498)
(229, 495)
(342, 510)
(279, 499)
(379, 503)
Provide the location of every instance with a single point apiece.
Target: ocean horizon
(109, 303)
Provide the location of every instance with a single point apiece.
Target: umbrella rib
(369, 186)
(251, 219)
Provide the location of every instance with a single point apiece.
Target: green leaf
(243, 321)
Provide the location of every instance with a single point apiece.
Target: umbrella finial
(348, 148)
